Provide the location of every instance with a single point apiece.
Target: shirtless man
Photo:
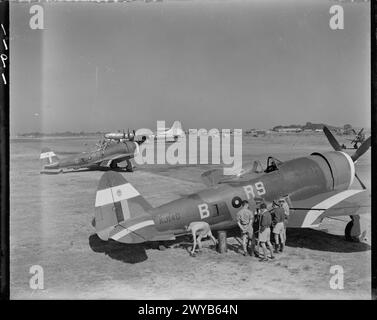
(200, 230)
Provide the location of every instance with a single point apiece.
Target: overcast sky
(233, 64)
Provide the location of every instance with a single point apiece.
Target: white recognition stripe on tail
(316, 211)
(115, 194)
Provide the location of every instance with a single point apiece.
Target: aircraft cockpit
(272, 164)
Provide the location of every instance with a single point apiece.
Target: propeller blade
(361, 183)
(360, 131)
(362, 149)
(332, 139)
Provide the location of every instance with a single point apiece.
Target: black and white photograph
(189, 149)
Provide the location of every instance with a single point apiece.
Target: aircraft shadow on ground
(136, 253)
(309, 239)
(128, 253)
(296, 238)
(322, 241)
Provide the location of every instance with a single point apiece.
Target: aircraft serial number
(168, 218)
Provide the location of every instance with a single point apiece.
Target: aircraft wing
(310, 212)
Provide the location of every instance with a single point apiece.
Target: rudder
(48, 158)
(121, 213)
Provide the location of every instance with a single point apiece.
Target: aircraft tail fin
(212, 177)
(48, 158)
(121, 213)
(176, 128)
(177, 125)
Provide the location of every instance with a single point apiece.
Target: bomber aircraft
(172, 134)
(318, 187)
(120, 136)
(107, 155)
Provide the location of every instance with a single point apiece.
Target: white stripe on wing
(316, 211)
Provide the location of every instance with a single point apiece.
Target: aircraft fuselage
(301, 178)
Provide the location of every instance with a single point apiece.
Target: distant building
(290, 129)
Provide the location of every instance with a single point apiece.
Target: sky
(210, 64)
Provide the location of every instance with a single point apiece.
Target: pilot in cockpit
(271, 165)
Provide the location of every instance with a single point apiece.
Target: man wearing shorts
(278, 216)
(245, 219)
(265, 231)
(284, 203)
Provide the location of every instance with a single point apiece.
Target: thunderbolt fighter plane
(106, 155)
(317, 185)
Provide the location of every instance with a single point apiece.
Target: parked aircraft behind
(172, 134)
(107, 154)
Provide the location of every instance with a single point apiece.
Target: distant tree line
(59, 134)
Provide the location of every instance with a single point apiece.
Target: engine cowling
(340, 166)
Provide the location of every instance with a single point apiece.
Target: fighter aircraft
(106, 155)
(360, 138)
(317, 187)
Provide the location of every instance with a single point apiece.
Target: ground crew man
(278, 217)
(285, 205)
(265, 231)
(245, 219)
(199, 230)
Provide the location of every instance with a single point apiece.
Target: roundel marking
(119, 192)
(236, 202)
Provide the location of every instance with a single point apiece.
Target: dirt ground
(50, 226)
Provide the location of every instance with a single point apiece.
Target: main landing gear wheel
(113, 165)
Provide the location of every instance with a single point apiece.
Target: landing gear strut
(129, 167)
(353, 230)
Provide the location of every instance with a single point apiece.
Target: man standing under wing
(245, 219)
(284, 202)
(278, 217)
(265, 231)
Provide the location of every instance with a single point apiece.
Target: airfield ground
(50, 226)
